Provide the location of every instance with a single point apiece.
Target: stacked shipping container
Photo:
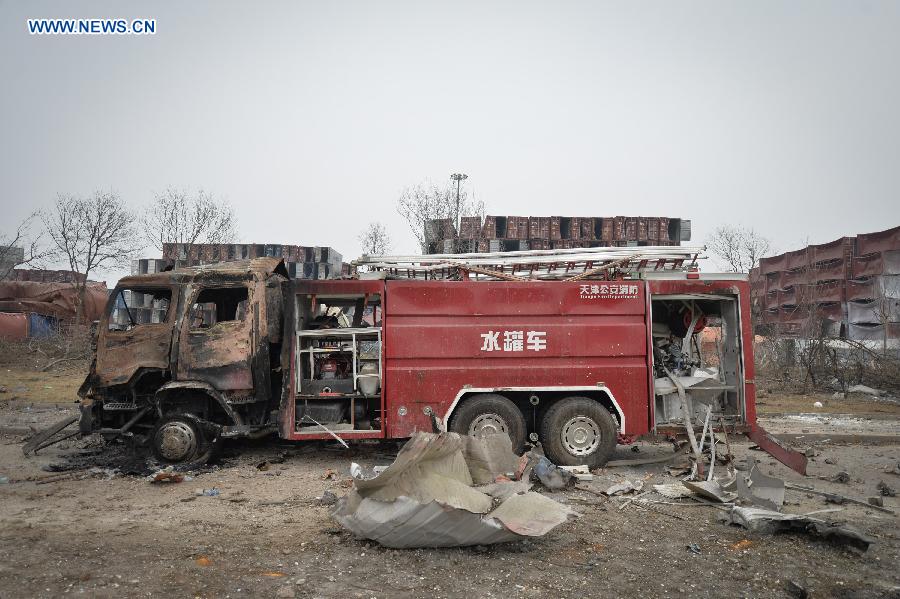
(512, 233)
(849, 287)
(302, 262)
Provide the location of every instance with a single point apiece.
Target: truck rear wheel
(490, 413)
(181, 439)
(578, 430)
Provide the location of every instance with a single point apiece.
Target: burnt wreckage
(207, 370)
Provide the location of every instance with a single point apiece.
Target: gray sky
(311, 117)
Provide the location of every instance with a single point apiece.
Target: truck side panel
(442, 338)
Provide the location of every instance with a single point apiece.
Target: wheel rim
(581, 436)
(488, 424)
(176, 441)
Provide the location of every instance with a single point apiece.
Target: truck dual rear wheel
(490, 413)
(181, 439)
(578, 430)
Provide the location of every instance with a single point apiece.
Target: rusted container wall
(555, 231)
(523, 230)
(575, 228)
(587, 228)
(490, 227)
(512, 227)
(618, 228)
(13, 326)
(881, 241)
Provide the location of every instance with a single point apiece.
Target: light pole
(459, 178)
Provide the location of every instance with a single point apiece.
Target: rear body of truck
(436, 346)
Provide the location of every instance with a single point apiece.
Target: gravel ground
(266, 534)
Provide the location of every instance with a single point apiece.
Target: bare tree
(375, 240)
(93, 234)
(188, 219)
(22, 247)
(428, 201)
(739, 248)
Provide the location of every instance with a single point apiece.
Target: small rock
(287, 592)
(818, 404)
(876, 501)
(810, 452)
(841, 477)
(886, 491)
(830, 461)
(327, 498)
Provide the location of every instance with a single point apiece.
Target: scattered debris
(741, 545)
(865, 390)
(329, 474)
(624, 488)
(327, 498)
(673, 490)
(835, 497)
(552, 476)
(214, 492)
(770, 522)
(694, 548)
(710, 489)
(50, 435)
(841, 477)
(202, 560)
(582, 473)
(759, 489)
(428, 496)
(166, 475)
(886, 491)
(796, 590)
(4, 480)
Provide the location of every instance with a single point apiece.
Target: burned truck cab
(187, 357)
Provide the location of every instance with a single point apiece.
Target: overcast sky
(311, 117)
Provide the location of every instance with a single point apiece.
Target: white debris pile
(448, 490)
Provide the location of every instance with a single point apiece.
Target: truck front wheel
(578, 430)
(182, 438)
(490, 413)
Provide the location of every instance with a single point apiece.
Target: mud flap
(794, 460)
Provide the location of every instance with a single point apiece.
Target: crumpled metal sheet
(770, 522)
(427, 497)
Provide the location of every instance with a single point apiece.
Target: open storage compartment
(697, 347)
(338, 369)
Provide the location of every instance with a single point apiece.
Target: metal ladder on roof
(600, 263)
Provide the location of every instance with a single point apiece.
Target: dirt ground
(100, 534)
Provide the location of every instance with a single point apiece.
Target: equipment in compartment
(338, 379)
(708, 372)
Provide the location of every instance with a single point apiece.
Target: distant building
(517, 233)
(848, 288)
(10, 256)
(40, 275)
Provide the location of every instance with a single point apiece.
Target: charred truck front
(187, 357)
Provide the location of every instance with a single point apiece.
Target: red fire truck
(588, 349)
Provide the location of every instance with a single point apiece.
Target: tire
(578, 430)
(183, 439)
(489, 412)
